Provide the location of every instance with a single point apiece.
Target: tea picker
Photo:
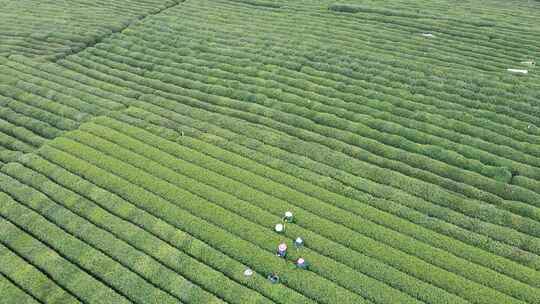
(248, 272)
(282, 250)
(279, 228)
(288, 218)
(299, 242)
(301, 263)
(274, 278)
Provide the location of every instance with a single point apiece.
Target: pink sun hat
(300, 261)
(282, 247)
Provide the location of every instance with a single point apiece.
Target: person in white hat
(299, 242)
(288, 217)
(248, 272)
(282, 250)
(280, 228)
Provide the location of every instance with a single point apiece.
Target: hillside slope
(151, 164)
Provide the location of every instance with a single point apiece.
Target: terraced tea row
(100, 59)
(170, 260)
(284, 194)
(249, 136)
(123, 82)
(151, 159)
(34, 109)
(55, 29)
(85, 153)
(233, 208)
(63, 184)
(495, 188)
(374, 59)
(269, 258)
(496, 172)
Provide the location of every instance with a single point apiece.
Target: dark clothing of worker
(274, 279)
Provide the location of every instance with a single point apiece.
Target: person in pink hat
(282, 250)
(301, 263)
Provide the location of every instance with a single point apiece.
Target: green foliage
(359, 169)
(146, 155)
(529, 197)
(256, 3)
(501, 174)
(288, 161)
(177, 208)
(88, 247)
(7, 156)
(12, 293)
(345, 8)
(267, 185)
(152, 245)
(53, 30)
(44, 272)
(271, 204)
(162, 228)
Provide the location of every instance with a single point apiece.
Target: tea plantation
(148, 148)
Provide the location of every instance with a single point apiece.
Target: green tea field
(150, 150)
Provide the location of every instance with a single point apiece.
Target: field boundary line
(137, 19)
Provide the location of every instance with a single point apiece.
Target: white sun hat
(279, 228)
(288, 216)
(282, 247)
(248, 272)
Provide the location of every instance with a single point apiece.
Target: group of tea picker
(281, 252)
(301, 263)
